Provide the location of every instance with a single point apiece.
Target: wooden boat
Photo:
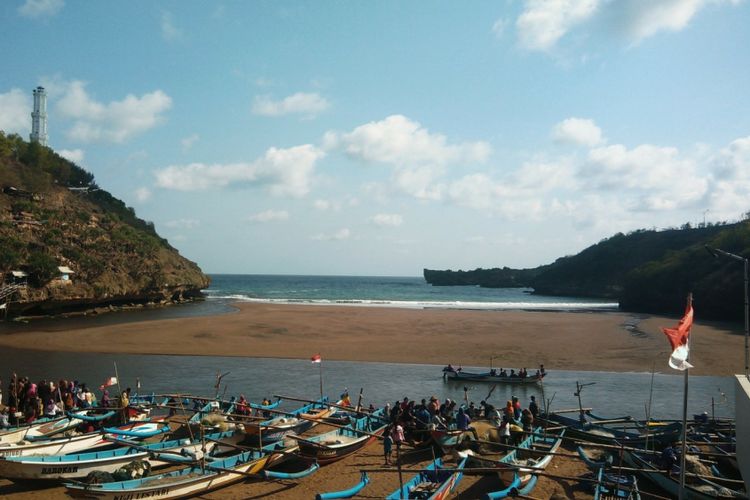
(462, 376)
(434, 483)
(519, 466)
(294, 422)
(348, 493)
(332, 446)
(188, 481)
(269, 474)
(615, 487)
(602, 434)
(92, 440)
(696, 488)
(448, 439)
(73, 466)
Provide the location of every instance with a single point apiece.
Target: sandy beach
(560, 340)
(599, 341)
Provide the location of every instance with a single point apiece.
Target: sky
(381, 138)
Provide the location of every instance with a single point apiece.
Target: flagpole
(119, 389)
(684, 417)
(320, 371)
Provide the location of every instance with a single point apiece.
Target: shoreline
(579, 340)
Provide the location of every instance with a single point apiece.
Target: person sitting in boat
(512, 373)
(493, 372)
(51, 410)
(434, 406)
(503, 372)
(449, 368)
(668, 458)
(345, 400)
(243, 408)
(541, 370)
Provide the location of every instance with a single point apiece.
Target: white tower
(39, 117)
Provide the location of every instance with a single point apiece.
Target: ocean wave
(425, 304)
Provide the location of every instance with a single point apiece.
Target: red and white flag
(315, 358)
(679, 338)
(107, 383)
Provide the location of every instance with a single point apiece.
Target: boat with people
(497, 376)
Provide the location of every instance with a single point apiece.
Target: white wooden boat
(79, 465)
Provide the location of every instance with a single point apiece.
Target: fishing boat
(434, 483)
(206, 475)
(79, 465)
(519, 466)
(609, 484)
(332, 446)
(463, 376)
(74, 444)
(348, 493)
(449, 439)
(696, 487)
(294, 422)
(598, 433)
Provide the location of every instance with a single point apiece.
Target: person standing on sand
(387, 445)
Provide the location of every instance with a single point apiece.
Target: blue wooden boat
(615, 487)
(208, 475)
(293, 422)
(434, 483)
(332, 446)
(79, 465)
(354, 490)
(596, 433)
(517, 469)
(269, 474)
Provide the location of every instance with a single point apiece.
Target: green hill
(53, 214)
(647, 271)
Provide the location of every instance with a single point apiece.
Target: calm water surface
(612, 394)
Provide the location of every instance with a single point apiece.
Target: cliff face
(52, 215)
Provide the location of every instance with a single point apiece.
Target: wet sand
(606, 341)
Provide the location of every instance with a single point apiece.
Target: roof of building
(19, 274)
(65, 270)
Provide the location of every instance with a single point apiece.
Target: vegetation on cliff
(646, 270)
(53, 214)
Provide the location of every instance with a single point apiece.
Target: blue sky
(379, 138)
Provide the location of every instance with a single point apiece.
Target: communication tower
(39, 117)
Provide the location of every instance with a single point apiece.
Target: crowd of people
(27, 401)
(502, 372)
(412, 421)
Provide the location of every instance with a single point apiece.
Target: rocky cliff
(74, 246)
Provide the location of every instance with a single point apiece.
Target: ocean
(371, 291)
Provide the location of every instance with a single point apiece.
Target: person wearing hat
(533, 407)
(434, 406)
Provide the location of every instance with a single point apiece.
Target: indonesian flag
(679, 339)
(109, 382)
(315, 358)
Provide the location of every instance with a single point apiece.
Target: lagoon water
(612, 394)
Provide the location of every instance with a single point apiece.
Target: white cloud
(581, 131)
(169, 31)
(399, 141)
(544, 22)
(143, 194)
(15, 111)
(187, 142)
(393, 220)
(645, 19)
(40, 8)
(269, 216)
(282, 171)
(308, 104)
(116, 121)
(74, 155)
(341, 234)
(182, 223)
